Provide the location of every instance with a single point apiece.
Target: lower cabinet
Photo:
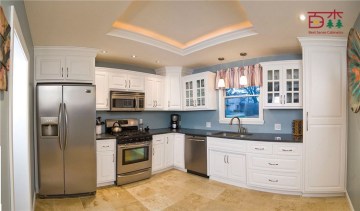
(105, 161)
(179, 151)
(168, 151)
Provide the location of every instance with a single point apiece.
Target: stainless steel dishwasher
(196, 155)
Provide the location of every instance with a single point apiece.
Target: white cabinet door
(218, 165)
(282, 84)
(324, 114)
(102, 90)
(169, 150)
(236, 167)
(105, 166)
(173, 86)
(154, 93)
(160, 91)
(135, 82)
(80, 68)
(118, 80)
(158, 156)
(49, 67)
(179, 151)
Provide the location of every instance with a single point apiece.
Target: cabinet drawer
(287, 149)
(105, 145)
(259, 148)
(281, 164)
(267, 179)
(228, 145)
(158, 139)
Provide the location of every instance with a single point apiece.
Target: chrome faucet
(241, 130)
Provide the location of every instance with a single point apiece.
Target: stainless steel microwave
(127, 101)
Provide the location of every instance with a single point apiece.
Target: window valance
(231, 76)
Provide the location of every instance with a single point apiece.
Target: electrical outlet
(208, 124)
(277, 126)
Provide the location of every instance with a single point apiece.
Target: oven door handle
(133, 146)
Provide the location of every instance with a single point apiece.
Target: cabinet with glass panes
(199, 91)
(282, 84)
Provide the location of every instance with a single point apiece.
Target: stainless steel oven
(133, 162)
(127, 101)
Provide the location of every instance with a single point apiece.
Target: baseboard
(34, 202)
(349, 201)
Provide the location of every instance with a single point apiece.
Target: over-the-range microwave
(127, 101)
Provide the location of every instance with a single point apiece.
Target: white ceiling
(156, 27)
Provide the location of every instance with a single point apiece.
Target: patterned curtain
(232, 76)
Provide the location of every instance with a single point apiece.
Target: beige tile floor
(176, 190)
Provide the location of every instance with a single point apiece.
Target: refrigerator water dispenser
(49, 126)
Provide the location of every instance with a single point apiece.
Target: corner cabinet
(102, 89)
(105, 162)
(64, 64)
(325, 114)
(282, 84)
(199, 91)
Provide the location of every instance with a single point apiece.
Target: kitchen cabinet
(325, 113)
(199, 91)
(105, 161)
(169, 150)
(102, 89)
(282, 84)
(126, 80)
(64, 64)
(158, 156)
(227, 160)
(179, 151)
(154, 93)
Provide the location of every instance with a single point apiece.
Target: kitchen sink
(232, 134)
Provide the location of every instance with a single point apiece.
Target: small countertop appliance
(175, 121)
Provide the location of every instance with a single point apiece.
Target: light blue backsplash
(198, 119)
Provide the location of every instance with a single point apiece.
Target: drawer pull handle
(257, 148)
(273, 164)
(106, 146)
(270, 180)
(287, 150)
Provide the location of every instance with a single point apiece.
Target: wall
(4, 105)
(124, 66)
(353, 160)
(198, 119)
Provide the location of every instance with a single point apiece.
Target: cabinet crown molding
(64, 50)
(323, 41)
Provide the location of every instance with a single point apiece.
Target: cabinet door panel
(169, 150)
(218, 166)
(80, 68)
(50, 67)
(136, 82)
(179, 152)
(236, 167)
(118, 81)
(102, 90)
(105, 166)
(158, 157)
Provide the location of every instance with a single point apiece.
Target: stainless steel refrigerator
(66, 139)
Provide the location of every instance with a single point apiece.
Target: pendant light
(221, 83)
(243, 79)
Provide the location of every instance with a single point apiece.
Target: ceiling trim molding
(233, 35)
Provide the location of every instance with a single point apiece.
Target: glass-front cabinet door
(200, 92)
(189, 93)
(282, 84)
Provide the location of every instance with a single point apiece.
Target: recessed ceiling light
(103, 51)
(221, 58)
(133, 56)
(243, 54)
(302, 17)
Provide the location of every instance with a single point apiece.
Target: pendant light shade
(221, 83)
(243, 80)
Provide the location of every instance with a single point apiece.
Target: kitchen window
(244, 103)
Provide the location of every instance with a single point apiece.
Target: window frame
(250, 121)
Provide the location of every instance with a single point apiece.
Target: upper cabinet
(199, 91)
(282, 84)
(154, 92)
(64, 64)
(102, 89)
(126, 80)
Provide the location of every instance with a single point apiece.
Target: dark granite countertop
(270, 137)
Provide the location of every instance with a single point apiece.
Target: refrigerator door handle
(66, 126)
(60, 123)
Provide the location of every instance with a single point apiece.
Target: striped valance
(253, 73)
